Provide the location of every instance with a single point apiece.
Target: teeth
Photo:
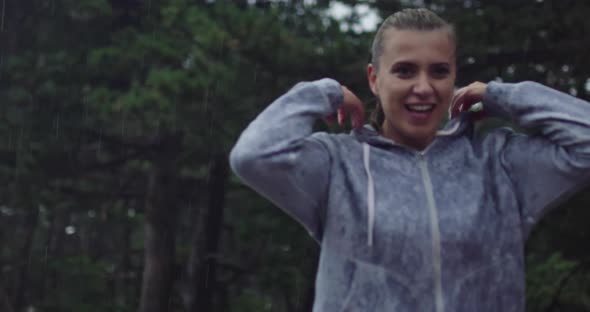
(420, 108)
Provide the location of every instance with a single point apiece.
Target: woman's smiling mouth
(420, 107)
(420, 113)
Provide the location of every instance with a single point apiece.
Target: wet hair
(408, 19)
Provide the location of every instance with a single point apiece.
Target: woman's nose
(423, 86)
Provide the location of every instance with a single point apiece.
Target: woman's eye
(441, 72)
(403, 71)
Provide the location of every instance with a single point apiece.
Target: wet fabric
(441, 229)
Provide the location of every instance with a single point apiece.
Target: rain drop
(255, 73)
(56, 126)
(540, 68)
(188, 62)
(6, 211)
(573, 91)
(565, 68)
(510, 70)
(70, 230)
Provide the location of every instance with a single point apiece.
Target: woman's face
(414, 81)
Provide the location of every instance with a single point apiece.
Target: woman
(409, 217)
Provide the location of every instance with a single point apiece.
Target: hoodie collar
(370, 135)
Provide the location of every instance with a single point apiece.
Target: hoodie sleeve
(546, 167)
(278, 156)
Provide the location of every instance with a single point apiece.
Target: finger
(454, 99)
(451, 108)
(463, 101)
(340, 116)
(469, 99)
(356, 120)
(456, 103)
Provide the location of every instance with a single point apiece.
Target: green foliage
(554, 268)
(250, 300)
(92, 89)
(74, 272)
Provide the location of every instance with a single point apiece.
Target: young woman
(410, 217)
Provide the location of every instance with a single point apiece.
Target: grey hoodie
(403, 230)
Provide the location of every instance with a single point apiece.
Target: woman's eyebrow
(441, 64)
(402, 63)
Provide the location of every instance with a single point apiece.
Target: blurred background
(117, 116)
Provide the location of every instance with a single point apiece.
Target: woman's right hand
(351, 106)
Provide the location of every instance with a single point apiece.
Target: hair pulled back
(408, 19)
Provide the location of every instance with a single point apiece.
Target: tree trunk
(202, 264)
(5, 304)
(30, 225)
(126, 275)
(161, 213)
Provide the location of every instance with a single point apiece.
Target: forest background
(117, 116)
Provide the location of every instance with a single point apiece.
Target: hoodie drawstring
(370, 194)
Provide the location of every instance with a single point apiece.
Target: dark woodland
(116, 121)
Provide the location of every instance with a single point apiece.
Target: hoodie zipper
(435, 233)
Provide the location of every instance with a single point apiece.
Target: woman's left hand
(468, 96)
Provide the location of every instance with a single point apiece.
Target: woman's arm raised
(278, 156)
(544, 167)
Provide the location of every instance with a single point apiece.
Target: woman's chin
(421, 132)
(415, 136)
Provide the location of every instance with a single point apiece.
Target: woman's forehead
(417, 43)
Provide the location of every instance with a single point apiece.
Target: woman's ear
(372, 78)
